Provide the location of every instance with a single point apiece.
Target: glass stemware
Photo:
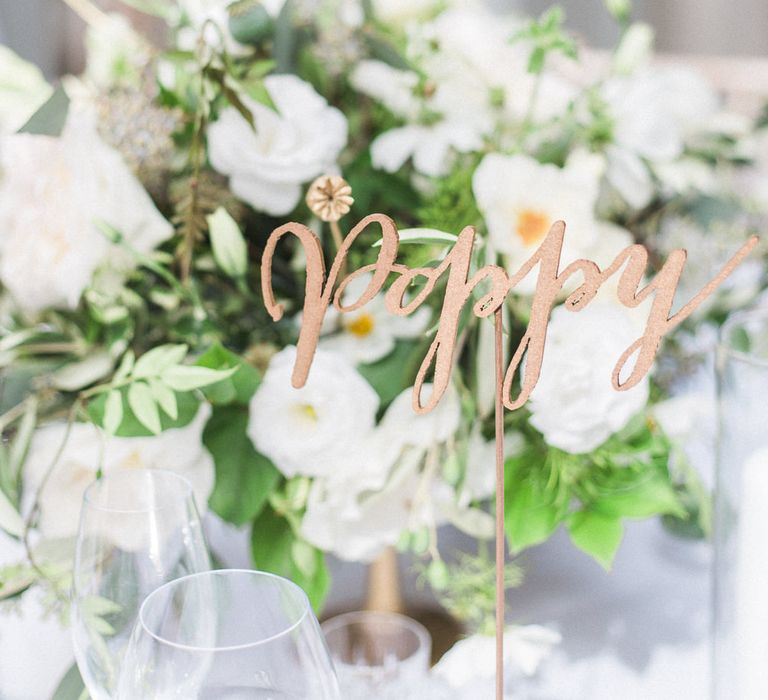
(139, 528)
(227, 635)
(378, 654)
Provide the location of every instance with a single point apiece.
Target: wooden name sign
(319, 294)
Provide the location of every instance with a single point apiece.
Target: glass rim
(252, 573)
(735, 320)
(332, 624)
(90, 497)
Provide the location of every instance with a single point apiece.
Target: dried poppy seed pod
(329, 197)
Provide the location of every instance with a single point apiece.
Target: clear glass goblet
(232, 634)
(139, 528)
(378, 654)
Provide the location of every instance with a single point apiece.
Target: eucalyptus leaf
(144, 407)
(78, 375)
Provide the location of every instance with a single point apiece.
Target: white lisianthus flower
(426, 429)
(473, 659)
(356, 524)
(179, 450)
(393, 87)
(654, 112)
(520, 199)
(312, 430)
(387, 487)
(574, 404)
(23, 89)
(369, 334)
(115, 53)
(53, 194)
(400, 12)
(291, 146)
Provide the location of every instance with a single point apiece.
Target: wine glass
(378, 654)
(139, 528)
(231, 634)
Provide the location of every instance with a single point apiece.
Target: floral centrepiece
(135, 204)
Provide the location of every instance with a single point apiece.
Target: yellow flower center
(362, 326)
(307, 410)
(532, 226)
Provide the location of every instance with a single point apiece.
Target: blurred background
(46, 32)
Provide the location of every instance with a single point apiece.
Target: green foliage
(393, 373)
(238, 387)
(50, 117)
(591, 494)
(453, 206)
(547, 36)
(596, 534)
(129, 424)
(244, 478)
(71, 686)
(275, 547)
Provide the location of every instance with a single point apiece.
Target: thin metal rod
(499, 507)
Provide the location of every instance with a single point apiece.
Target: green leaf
(637, 494)
(596, 534)
(240, 387)
(421, 236)
(50, 118)
(143, 405)
(531, 513)
(536, 61)
(382, 50)
(272, 548)
(113, 411)
(20, 445)
(285, 39)
(188, 405)
(244, 478)
(159, 359)
(188, 377)
(164, 396)
(10, 520)
(70, 687)
(390, 375)
(229, 248)
(125, 368)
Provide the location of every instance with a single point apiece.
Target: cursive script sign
(630, 264)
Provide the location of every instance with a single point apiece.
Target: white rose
(291, 146)
(23, 89)
(53, 192)
(574, 403)
(473, 659)
(520, 199)
(312, 430)
(179, 450)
